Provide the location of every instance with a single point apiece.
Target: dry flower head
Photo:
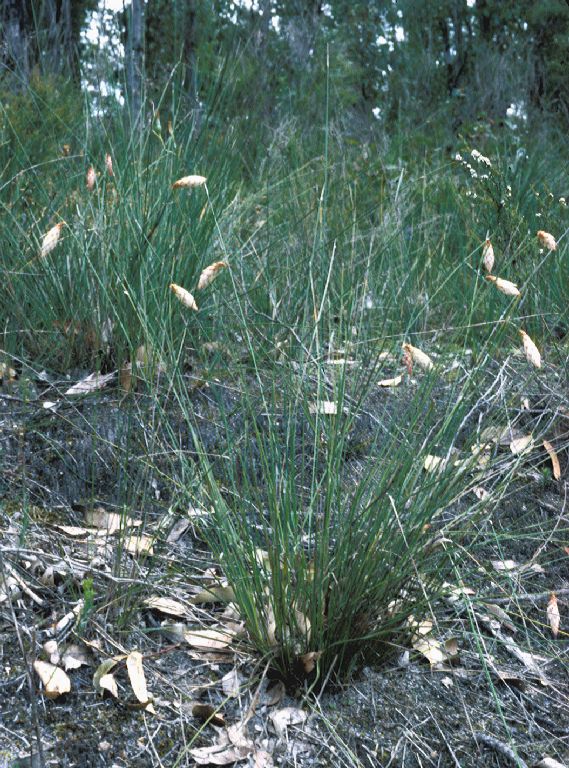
(91, 178)
(532, 352)
(189, 182)
(418, 356)
(209, 274)
(488, 256)
(547, 240)
(51, 238)
(504, 286)
(184, 296)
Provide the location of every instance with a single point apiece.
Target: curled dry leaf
(532, 352)
(504, 565)
(91, 383)
(194, 512)
(452, 649)
(167, 605)
(209, 274)
(488, 256)
(75, 531)
(288, 716)
(137, 679)
(274, 694)
(91, 178)
(103, 680)
(54, 679)
(324, 408)
(309, 660)
(419, 357)
(239, 737)
(504, 286)
(69, 619)
(208, 639)
(52, 651)
(218, 754)
(108, 683)
(549, 762)
(51, 239)
(553, 615)
(262, 759)
(500, 614)
(547, 240)
(420, 628)
(109, 521)
(74, 657)
(433, 463)
(231, 683)
(394, 382)
(456, 593)
(184, 296)
(521, 444)
(10, 590)
(189, 182)
(555, 467)
(139, 544)
(431, 649)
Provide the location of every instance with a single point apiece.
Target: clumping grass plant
(331, 521)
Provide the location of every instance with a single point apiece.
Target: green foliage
(36, 122)
(344, 235)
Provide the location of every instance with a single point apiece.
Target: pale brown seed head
(189, 182)
(504, 286)
(488, 256)
(91, 178)
(51, 238)
(184, 296)
(418, 356)
(553, 615)
(532, 352)
(547, 240)
(209, 274)
(109, 164)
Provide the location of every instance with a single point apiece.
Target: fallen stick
(499, 746)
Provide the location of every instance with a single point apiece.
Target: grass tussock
(320, 275)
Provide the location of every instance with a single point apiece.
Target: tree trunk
(50, 57)
(135, 59)
(15, 54)
(191, 75)
(71, 61)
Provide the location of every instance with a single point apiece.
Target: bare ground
(503, 701)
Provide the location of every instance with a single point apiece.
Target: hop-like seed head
(504, 286)
(547, 240)
(488, 256)
(189, 182)
(51, 238)
(532, 352)
(91, 178)
(209, 274)
(418, 356)
(184, 296)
